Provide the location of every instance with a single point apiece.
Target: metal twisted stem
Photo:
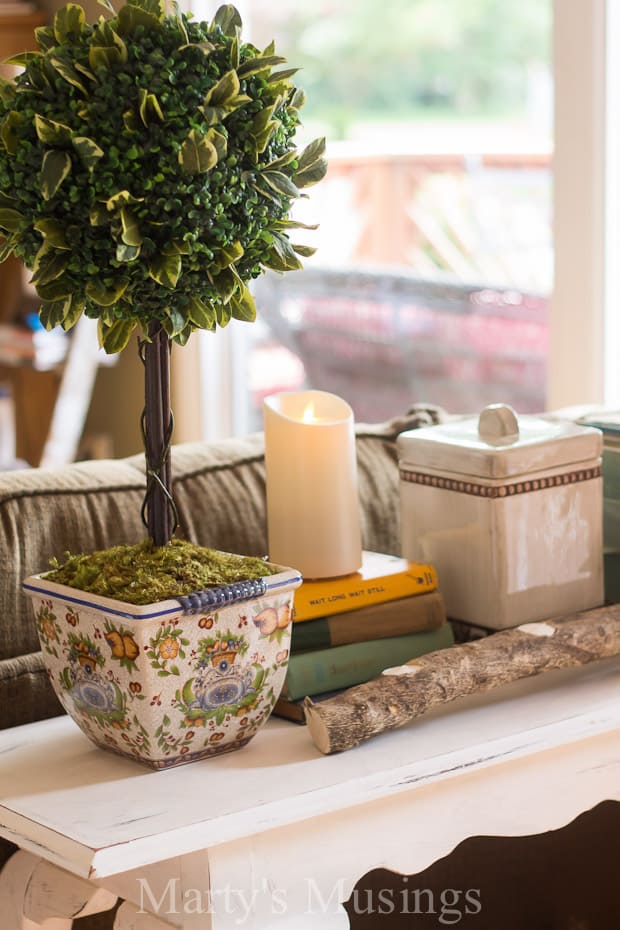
(159, 512)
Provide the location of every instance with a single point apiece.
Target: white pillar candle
(313, 516)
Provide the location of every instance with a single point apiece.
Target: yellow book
(381, 578)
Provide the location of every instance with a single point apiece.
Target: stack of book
(348, 630)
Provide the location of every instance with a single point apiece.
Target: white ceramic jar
(509, 511)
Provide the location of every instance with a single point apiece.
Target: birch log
(403, 693)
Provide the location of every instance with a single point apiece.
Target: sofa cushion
(46, 512)
(25, 691)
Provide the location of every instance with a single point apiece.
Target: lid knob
(498, 425)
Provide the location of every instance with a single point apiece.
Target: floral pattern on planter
(48, 627)
(166, 646)
(123, 645)
(164, 686)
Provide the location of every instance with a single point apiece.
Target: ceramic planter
(170, 682)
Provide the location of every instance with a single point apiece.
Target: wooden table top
(95, 813)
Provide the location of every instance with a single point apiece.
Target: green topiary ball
(147, 169)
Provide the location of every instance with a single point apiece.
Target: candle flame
(308, 414)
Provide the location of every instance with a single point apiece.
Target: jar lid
(499, 444)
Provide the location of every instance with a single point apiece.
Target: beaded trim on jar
(504, 490)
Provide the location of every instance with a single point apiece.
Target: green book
(417, 614)
(312, 673)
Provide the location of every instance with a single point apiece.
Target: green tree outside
(408, 59)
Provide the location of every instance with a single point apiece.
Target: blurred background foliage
(364, 60)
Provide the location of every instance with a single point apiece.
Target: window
(502, 110)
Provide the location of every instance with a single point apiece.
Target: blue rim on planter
(218, 596)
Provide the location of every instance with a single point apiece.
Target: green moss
(145, 574)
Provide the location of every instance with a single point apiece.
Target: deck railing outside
(431, 283)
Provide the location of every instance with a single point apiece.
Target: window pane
(433, 270)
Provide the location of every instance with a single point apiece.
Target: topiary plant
(147, 170)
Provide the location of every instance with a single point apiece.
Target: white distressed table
(276, 835)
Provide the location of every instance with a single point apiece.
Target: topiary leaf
(107, 48)
(121, 199)
(166, 270)
(225, 283)
(131, 16)
(69, 23)
(39, 79)
(148, 106)
(225, 90)
(205, 47)
(51, 132)
(175, 247)
(228, 20)
(282, 76)
(295, 224)
(67, 72)
(53, 312)
(54, 169)
(22, 60)
(89, 151)
(219, 141)
(51, 267)
(131, 231)
(131, 121)
(104, 56)
(258, 64)
(306, 250)
(283, 161)
(7, 201)
(182, 337)
(106, 295)
(263, 127)
(98, 215)
(311, 175)
(72, 315)
(203, 315)
(180, 23)
(127, 253)
(155, 7)
(213, 115)
(280, 183)
(7, 90)
(312, 153)
(222, 314)
(45, 249)
(6, 249)
(53, 232)
(114, 338)
(228, 255)
(85, 71)
(298, 99)
(10, 219)
(45, 38)
(243, 307)
(281, 256)
(57, 290)
(175, 322)
(8, 131)
(197, 154)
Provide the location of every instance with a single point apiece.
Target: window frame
(583, 331)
